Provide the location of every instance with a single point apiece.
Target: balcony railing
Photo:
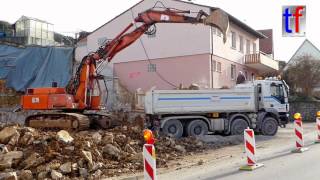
(261, 62)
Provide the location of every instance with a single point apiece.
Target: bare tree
(303, 74)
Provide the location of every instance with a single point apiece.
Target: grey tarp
(35, 66)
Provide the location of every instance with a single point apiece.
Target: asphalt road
(284, 166)
(275, 154)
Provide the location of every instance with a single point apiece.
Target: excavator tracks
(69, 121)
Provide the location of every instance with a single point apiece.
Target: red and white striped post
(149, 156)
(298, 129)
(250, 148)
(318, 127)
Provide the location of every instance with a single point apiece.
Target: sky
(71, 16)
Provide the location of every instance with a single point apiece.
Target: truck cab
(273, 97)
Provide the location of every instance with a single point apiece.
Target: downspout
(211, 59)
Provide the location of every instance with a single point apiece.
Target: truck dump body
(238, 99)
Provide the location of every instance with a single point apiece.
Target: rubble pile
(28, 153)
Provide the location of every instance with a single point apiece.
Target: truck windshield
(277, 92)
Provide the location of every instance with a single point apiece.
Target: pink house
(181, 53)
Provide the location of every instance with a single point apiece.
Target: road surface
(273, 152)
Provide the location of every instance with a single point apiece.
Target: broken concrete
(56, 175)
(112, 151)
(6, 134)
(25, 175)
(64, 136)
(66, 168)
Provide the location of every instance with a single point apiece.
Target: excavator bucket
(218, 18)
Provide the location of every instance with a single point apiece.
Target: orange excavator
(77, 106)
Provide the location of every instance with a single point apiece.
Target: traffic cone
(250, 148)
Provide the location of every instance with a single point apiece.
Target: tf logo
(293, 20)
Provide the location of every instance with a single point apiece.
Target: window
(241, 43)
(233, 71)
(233, 40)
(219, 66)
(152, 68)
(276, 91)
(254, 47)
(214, 65)
(248, 47)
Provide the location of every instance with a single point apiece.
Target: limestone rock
(112, 151)
(83, 172)
(66, 168)
(108, 138)
(32, 161)
(10, 158)
(88, 157)
(6, 134)
(25, 175)
(27, 138)
(8, 176)
(64, 136)
(97, 137)
(56, 175)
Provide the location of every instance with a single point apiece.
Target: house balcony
(261, 62)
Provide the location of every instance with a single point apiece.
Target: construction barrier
(250, 148)
(298, 129)
(149, 161)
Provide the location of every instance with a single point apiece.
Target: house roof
(307, 47)
(231, 18)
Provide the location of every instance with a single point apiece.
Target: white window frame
(241, 43)
(247, 46)
(219, 67)
(254, 47)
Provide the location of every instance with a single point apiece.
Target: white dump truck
(261, 105)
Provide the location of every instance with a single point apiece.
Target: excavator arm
(82, 84)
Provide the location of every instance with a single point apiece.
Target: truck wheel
(238, 126)
(269, 126)
(197, 128)
(173, 128)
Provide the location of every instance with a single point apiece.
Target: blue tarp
(35, 66)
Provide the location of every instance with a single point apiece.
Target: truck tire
(238, 126)
(197, 128)
(173, 128)
(269, 126)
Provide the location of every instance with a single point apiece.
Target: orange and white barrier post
(298, 129)
(250, 148)
(149, 156)
(318, 127)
